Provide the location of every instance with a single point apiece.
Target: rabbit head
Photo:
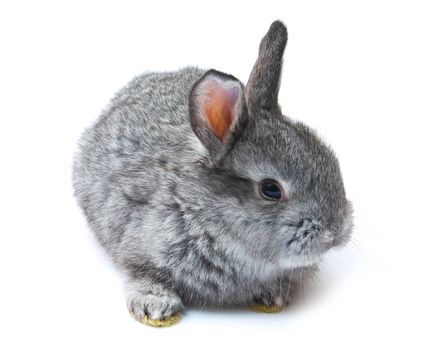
(283, 187)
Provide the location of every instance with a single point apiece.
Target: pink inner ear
(219, 107)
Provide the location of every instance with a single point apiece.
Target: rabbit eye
(270, 189)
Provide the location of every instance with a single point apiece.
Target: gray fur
(183, 220)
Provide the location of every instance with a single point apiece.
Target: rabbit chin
(295, 260)
(300, 261)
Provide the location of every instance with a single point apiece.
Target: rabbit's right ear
(217, 112)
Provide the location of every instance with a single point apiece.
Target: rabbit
(204, 194)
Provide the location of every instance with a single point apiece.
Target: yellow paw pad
(166, 322)
(268, 309)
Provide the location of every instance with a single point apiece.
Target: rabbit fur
(168, 178)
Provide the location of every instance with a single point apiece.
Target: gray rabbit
(204, 194)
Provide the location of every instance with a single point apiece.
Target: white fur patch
(195, 145)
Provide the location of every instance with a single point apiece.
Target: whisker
(288, 287)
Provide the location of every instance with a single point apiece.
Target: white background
(365, 74)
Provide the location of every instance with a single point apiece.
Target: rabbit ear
(263, 84)
(217, 111)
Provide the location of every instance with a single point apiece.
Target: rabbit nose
(307, 227)
(308, 224)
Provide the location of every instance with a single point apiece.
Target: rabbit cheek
(344, 236)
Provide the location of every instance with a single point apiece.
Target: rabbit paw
(166, 322)
(270, 303)
(267, 309)
(155, 310)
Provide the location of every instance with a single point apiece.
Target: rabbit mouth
(311, 237)
(310, 241)
(307, 245)
(310, 232)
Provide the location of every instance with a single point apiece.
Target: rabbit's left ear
(218, 112)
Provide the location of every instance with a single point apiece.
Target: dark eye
(270, 189)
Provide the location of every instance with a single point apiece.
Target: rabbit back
(139, 137)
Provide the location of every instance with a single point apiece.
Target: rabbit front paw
(158, 310)
(269, 304)
(267, 309)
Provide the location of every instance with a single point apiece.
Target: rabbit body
(168, 179)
